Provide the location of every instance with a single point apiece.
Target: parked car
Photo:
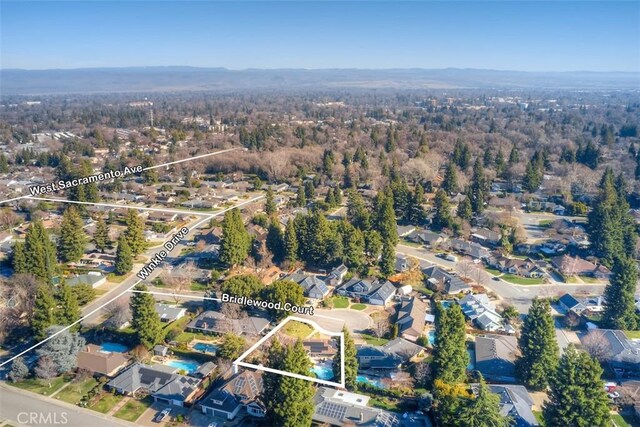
(162, 415)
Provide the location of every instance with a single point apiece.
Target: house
(214, 322)
(481, 312)
(569, 303)
(160, 381)
(93, 359)
(403, 349)
(339, 408)
(336, 276)
(447, 282)
(516, 403)
(313, 286)
(93, 278)
(486, 237)
(376, 358)
(402, 263)
(169, 313)
(411, 318)
(495, 357)
(320, 347)
(160, 350)
(242, 390)
(576, 266)
(614, 347)
(471, 249)
(427, 238)
(376, 293)
(405, 230)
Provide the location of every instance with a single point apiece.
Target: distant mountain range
(173, 79)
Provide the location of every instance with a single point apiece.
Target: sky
(502, 35)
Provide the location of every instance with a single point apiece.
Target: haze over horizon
(510, 36)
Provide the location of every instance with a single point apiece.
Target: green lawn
(571, 279)
(198, 287)
(493, 271)
(340, 302)
(587, 279)
(539, 417)
(298, 329)
(545, 223)
(512, 278)
(632, 334)
(107, 402)
(74, 392)
(619, 421)
(372, 340)
(39, 386)
(112, 277)
(132, 410)
(358, 307)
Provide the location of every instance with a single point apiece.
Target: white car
(162, 415)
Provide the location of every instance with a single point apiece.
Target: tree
(417, 214)
(449, 399)
(301, 198)
(450, 181)
(72, 240)
(124, 257)
(19, 370)
(478, 185)
(275, 240)
(442, 216)
(40, 253)
(388, 258)
(357, 212)
(271, 381)
(46, 369)
(231, 346)
(350, 361)
(293, 405)
(483, 410)
(144, 318)
(577, 396)
(372, 245)
(68, 309)
(19, 258)
(464, 209)
(283, 292)
(450, 357)
(290, 242)
(43, 312)
(135, 233)
(309, 190)
(353, 244)
(538, 346)
(246, 285)
(270, 204)
(101, 235)
(532, 179)
(619, 296)
(385, 221)
(62, 349)
(236, 241)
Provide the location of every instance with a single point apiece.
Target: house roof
(569, 301)
(572, 266)
(221, 400)
(402, 348)
(411, 316)
(160, 380)
(214, 321)
(496, 355)
(246, 386)
(619, 347)
(516, 402)
(169, 312)
(338, 407)
(93, 359)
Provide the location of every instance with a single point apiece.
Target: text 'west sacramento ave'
(37, 190)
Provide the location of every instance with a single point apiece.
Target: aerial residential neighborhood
(326, 214)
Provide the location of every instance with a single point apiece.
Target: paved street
(23, 408)
(333, 320)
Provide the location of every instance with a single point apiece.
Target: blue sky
(506, 35)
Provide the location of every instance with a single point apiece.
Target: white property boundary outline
(341, 384)
(92, 312)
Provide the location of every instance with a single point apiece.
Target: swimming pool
(205, 348)
(113, 347)
(190, 366)
(371, 381)
(446, 303)
(323, 372)
(432, 337)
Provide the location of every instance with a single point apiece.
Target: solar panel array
(253, 385)
(332, 410)
(238, 385)
(386, 419)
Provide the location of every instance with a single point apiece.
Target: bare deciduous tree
(596, 345)
(381, 324)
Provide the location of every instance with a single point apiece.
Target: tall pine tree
(135, 233)
(350, 361)
(124, 257)
(450, 357)
(43, 312)
(101, 235)
(619, 296)
(236, 241)
(73, 239)
(145, 321)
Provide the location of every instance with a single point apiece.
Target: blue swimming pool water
(323, 372)
(190, 366)
(114, 347)
(370, 381)
(205, 348)
(446, 303)
(432, 337)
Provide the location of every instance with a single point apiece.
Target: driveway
(334, 320)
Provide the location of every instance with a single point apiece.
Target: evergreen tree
(357, 212)
(577, 396)
(483, 410)
(337, 195)
(386, 218)
(283, 292)
(309, 190)
(40, 253)
(101, 235)
(388, 258)
(43, 312)
(275, 241)
(68, 309)
(442, 216)
(124, 257)
(450, 181)
(619, 296)
(270, 204)
(417, 214)
(372, 245)
(464, 210)
(301, 198)
(144, 318)
(62, 348)
(231, 347)
(19, 258)
(328, 160)
(135, 233)
(243, 285)
(330, 198)
(293, 402)
(532, 179)
(487, 158)
(500, 164)
(290, 242)
(236, 241)
(514, 156)
(450, 357)
(4, 164)
(478, 185)
(353, 244)
(538, 346)
(72, 240)
(350, 362)
(19, 370)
